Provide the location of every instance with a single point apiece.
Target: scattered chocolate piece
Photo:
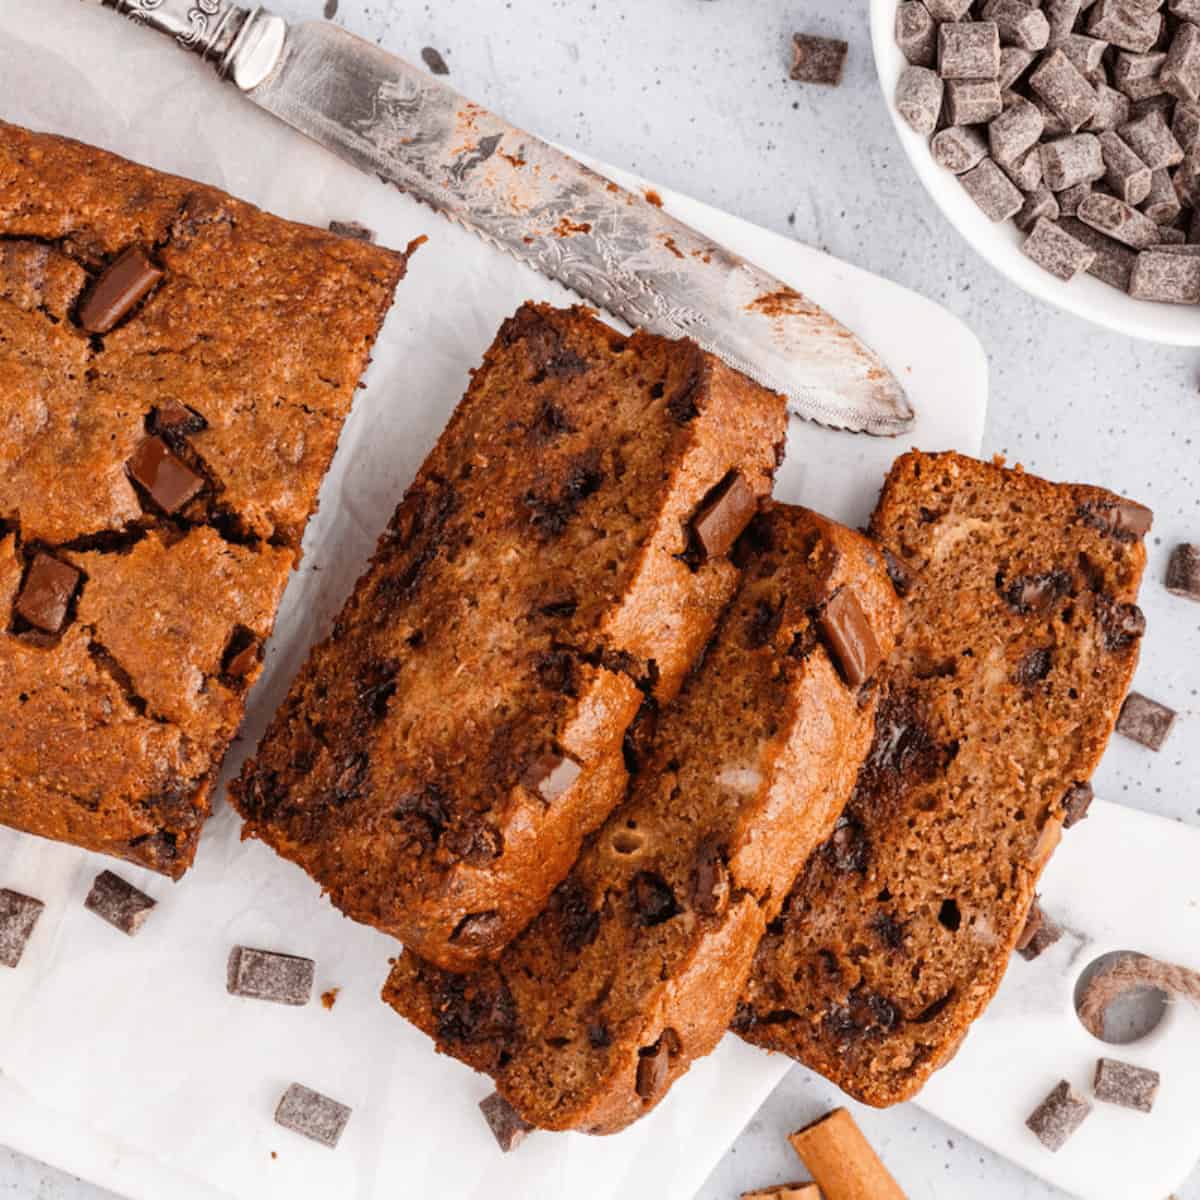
(121, 286)
(1124, 1084)
(167, 480)
(175, 419)
(329, 998)
(1059, 1116)
(508, 1127)
(434, 61)
(1076, 803)
(551, 776)
(849, 638)
(1183, 572)
(119, 903)
(1145, 721)
(1039, 934)
(263, 975)
(352, 229)
(818, 59)
(18, 915)
(45, 597)
(314, 1116)
(723, 516)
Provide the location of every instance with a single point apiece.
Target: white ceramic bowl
(1000, 243)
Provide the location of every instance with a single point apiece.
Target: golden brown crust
(634, 969)
(536, 587)
(254, 335)
(1019, 640)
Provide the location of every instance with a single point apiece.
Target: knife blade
(612, 247)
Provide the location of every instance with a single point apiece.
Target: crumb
(652, 197)
(329, 998)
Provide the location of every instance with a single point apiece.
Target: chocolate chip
(1183, 572)
(722, 516)
(1038, 935)
(46, 595)
(476, 930)
(264, 975)
(579, 922)
(1122, 1083)
(1122, 624)
(1035, 593)
(818, 59)
(551, 776)
(434, 61)
(314, 1116)
(1145, 720)
(1126, 519)
(18, 915)
(849, 638)
(652, 899)
(242, 653)
(1059, 1116)
(898, 573)
(167, 480)
(176, 420)
(847, 848)
(122, 285)
(1034, 667)
(710, 881)
(654, 1064)
(119, 903)
(508, 1127)
(1076, 803)
(352, 229)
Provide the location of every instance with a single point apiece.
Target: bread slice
(559, 561)
(1019, 640)
(634, 969)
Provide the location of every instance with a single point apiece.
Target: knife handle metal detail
(242, 44)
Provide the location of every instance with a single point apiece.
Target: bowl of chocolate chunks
(1062, 139)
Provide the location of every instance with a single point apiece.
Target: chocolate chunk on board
(1056, 1119)
(18, 915)
(119, 289)
(818, 59)
(1076, 803)
(1183, 572)
(168, 481)
(508, 1127)
(1122, 1083)
(312, 1115)
(1145, 721)
(45, 597)
(264, 975)
(434, 61)
(119, 903)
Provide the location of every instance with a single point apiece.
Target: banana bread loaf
(175, 368)
(559, 561)
(634, 969)
(1019, 640)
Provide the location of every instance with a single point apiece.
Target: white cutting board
(124, 1061)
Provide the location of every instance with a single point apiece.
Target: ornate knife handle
(241, 43)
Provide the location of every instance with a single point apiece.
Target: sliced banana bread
(559, 561)
(1018, 643)
(634, 969)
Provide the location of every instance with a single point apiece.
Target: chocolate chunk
(352, 229)
(898, 573)
(1145, 720)
(551, 776)
(434, 61)
(18, 915)
(722, 516)
(1183, 572)
(46, 595)
(1123, 624)
(847, 847)
(508, 1127)
(119, 903)
(264, 975)
(167, 480)
(652, 898)
(818, 59)
(710, 881)
(1039, 934)
(242, 654)
(313, 1115)
(122, 285)
(1076, 803)
(1126, 518)
(1059, 1116)
(849, 638)
(1124, 1084)
(476, 930)
(1034, 667)
(654, 1064)
(1034, 593)
(175, 419)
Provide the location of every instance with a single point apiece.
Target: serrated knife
(614, 248)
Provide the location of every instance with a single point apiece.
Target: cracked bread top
(1019, 639)
(556, 565)
(177, 366)
(635, 967)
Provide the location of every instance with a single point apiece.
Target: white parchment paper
(124, 1060)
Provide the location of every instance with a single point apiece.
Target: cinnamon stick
(841, 1160)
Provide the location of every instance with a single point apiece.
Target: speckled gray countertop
(695, 94)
